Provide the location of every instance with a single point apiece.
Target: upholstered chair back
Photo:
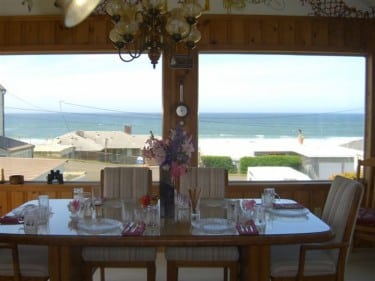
(337, 210)
(126, 182)
(211, 181)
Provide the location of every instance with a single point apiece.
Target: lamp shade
(75, 11)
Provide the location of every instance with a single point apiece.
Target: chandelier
(143, 26)
(148, 26)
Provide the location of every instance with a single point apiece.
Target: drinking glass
(233, 207)
(268, 197)
(260, 218)
(96, 193)
(31, 219)
(43, 204)
(153, 217)
(87, 205)
(78, 193)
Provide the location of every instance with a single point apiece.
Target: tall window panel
(281, 117)
(76, 113)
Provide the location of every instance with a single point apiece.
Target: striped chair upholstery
(324, 261)
(212, 182)
(122, 183)
(23, 262)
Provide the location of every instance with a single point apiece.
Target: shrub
(218, 162)
(292, 161)
(349, 175)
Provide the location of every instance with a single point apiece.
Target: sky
(227, 83)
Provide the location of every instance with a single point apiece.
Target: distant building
(270, 173)
(15, 148)
(54, 150)
(105, 146)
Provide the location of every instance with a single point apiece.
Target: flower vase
(167, 194)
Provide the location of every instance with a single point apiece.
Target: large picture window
(281, 117)
(76, 113)
(264, 117)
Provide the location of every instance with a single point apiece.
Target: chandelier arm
(188, 33)
(132, 56)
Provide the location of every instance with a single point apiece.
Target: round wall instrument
(182, 109)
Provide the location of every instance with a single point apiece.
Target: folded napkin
(288, 206)
(247, 228)
(134, 229)
(10, 220)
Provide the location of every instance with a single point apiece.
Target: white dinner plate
(100, 226)
(289, 212)
(214, 225)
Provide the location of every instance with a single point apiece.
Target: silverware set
(131, 227)
(247, 228)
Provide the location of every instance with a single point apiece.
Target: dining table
(66, 234)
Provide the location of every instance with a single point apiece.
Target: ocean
(34, 127)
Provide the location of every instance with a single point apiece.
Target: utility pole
(2, 120)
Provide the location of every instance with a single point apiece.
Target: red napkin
(136, 230)
(247, 228)
(288, 206)
(10, 220)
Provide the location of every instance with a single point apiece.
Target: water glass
(31, 219)
(140, 214)
(268, 197)
(43, 204)
(182, 215)
(152, 216)
(260, 218)
(182, 201)
(96, 193)
(78, 193)
(88, 210)
(195, 216)
(233, 207)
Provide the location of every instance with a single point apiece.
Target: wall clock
(182, 109)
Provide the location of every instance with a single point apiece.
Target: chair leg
(172, 271)
(226, 274)
(151, 272)
(87, 272)
(102, 273)
(233, 272)
(16, 264)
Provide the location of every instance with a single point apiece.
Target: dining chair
(213, 182)
(23, 262)
(323, 261)
(122, 183)
(365, 225)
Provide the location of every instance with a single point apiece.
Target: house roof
(12, 144)
(100, 140)
(30, 168)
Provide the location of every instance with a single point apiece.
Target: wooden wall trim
(249, 33)
(237, 33)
